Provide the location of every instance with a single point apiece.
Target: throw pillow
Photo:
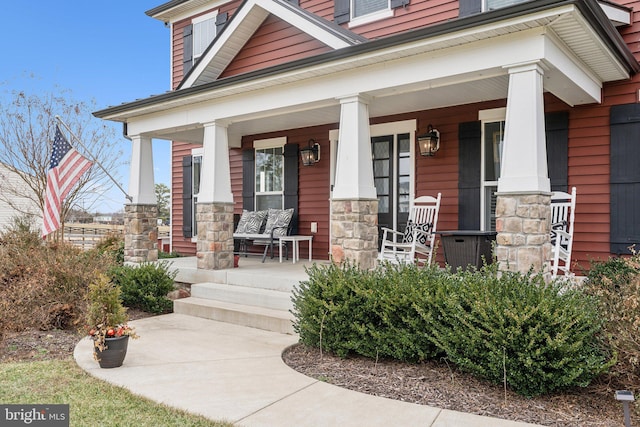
(422, 235)
(254, 222)
(242, 223)
(278, 220)
(562, 225)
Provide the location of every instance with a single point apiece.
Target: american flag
(65, 169)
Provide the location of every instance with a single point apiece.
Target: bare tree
(27, 128)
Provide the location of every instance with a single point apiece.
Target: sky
(107, 52)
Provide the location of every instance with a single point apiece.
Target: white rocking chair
(563, 206)
(416, 243)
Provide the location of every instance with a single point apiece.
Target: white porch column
(215, 182)
(141, 180)
(354, 167)
(523, 196)
(524, 160)
(141, 214)
(354, 206)
(214, 210)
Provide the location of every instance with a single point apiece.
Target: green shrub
(616, 285)
(371, 313)
(166, 255)
(145, 286)
(516, 328)
(507, 326)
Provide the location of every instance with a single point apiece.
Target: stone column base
(140, 233)
(215, 235)
(523, 226)
(354, 232)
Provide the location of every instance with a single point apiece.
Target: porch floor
(251, 272)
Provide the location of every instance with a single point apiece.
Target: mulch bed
(441, 385)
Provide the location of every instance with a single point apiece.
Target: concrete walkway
(235, 373)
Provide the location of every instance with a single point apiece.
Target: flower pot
(113, 355)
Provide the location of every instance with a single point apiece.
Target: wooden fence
(87, 236)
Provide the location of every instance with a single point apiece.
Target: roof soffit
(176, 10)
(243, 24)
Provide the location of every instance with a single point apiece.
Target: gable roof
(246, 20)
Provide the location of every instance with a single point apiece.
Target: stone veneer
(140, 233)
(523, 226)
(354, 231)
(215, 235)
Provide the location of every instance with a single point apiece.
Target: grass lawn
(91, 401)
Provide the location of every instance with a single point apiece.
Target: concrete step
(244, 295)
(283, 281)
(239, 314)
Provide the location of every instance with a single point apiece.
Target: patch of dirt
(440, 385)
(34, 345)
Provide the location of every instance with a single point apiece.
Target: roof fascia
(179, 9)
(245, 22)
(589, 9)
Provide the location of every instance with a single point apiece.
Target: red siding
(179, 244)
(418, 14)
(178, 53)
(274, 42)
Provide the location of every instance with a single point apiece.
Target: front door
(392, 177)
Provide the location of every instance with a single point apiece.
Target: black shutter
(341, 11)
(399, 3)
(187, 196)
(291, 182)
(248, 179)
(470, 145)
(557, 134)
(625, 177)
(187, 49)
(469, 7)
(221, 21)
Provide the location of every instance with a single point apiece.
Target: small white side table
(296, 246)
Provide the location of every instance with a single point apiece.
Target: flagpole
(93, 158)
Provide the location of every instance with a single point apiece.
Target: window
(195, 182)
(493, 122)
(204, 31)
(269, 174)
(497, 4)
(366, 7)
(359, 12)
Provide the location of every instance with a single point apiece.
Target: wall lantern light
(311, 154)
(429, 142)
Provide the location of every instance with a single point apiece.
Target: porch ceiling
(459, 62)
